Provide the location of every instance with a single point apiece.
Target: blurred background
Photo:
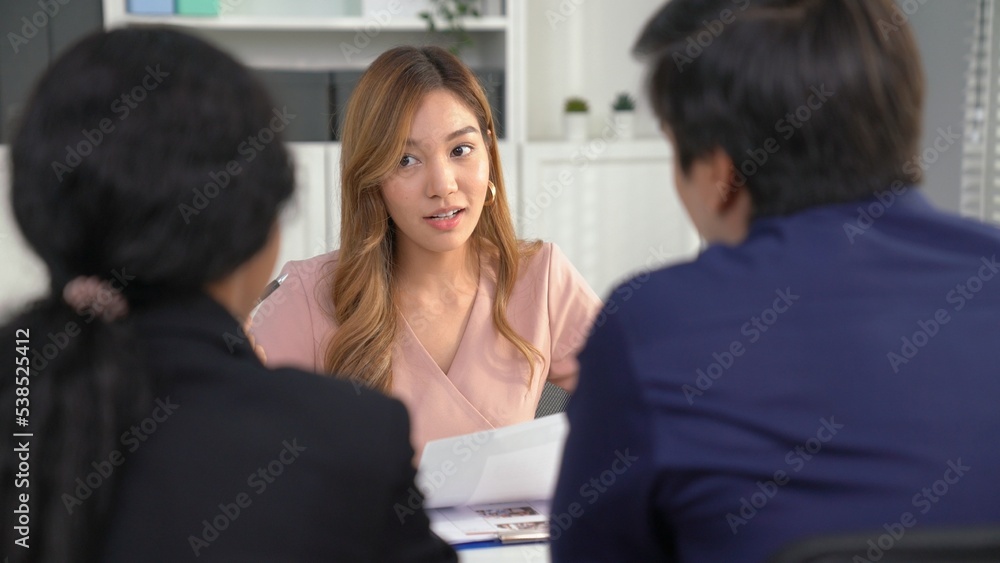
(584, 162)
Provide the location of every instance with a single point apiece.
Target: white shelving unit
(617, 214)
(350, 42)
(350, 24)
(329, 43)
(620, 213)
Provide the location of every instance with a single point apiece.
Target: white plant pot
(623, 123)
(575, 126)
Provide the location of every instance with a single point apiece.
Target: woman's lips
(446, 220)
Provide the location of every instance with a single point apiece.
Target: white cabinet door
(610, 206)
(305, 225)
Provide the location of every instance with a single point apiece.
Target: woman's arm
(283, 324)
(572, 307)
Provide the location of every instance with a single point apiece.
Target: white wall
(944, 32)
(583, 48)
(613, 210)
(22, 274)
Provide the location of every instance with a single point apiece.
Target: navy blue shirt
(835, 372)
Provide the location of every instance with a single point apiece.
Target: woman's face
(436, 194)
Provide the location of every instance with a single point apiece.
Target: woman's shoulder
(549, 267)
(538, 255)
(301, 298)
(310, 271)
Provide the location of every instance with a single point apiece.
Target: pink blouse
(487, 385)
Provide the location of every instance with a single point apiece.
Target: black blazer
(237, 462)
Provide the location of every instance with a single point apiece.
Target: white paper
(519, 462)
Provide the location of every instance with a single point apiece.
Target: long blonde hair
(376, 126)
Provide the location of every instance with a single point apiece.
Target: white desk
(528, 553)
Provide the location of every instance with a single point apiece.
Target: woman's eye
(407, 160)
(461, 150)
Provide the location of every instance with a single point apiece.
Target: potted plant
(575, 119)
(623, 115)
(452, 14)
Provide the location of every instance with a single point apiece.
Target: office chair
(552, 401)
(906, 545)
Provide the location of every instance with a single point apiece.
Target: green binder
(198, 7)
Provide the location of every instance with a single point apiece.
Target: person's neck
(421, 271)
(233, 294)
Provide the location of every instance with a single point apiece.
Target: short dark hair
(134, 160)
(815, 101)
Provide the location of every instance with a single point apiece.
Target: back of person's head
(815, 101)
(139, 168)
(375, 132)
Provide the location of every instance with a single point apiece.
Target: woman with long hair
(431, 297)
(146, 427)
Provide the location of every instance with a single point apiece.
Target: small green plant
(624, 102)
(452, 14)
(576, 105)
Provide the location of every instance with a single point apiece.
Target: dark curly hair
(131, 164)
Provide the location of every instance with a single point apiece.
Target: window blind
(980, 188)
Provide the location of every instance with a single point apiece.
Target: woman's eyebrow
(459, 133)
(462, 131)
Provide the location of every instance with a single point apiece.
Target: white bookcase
(308, 35)
(336, 35)
(617, 215)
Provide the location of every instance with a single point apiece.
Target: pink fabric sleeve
(573, 306)
(283, 323)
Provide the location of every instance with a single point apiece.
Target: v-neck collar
(478, 301)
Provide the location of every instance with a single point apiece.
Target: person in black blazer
(148, 174)
(263, 465)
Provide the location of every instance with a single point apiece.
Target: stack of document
(493, 485)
